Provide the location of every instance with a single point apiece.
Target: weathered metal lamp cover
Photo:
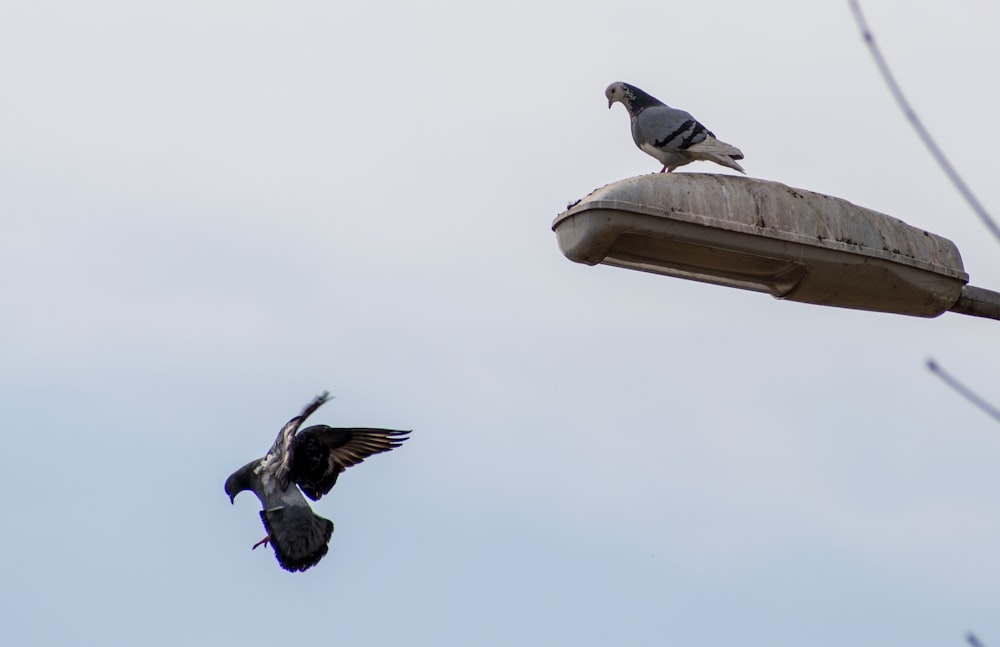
(764, 236)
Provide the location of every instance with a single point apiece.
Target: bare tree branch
(964, 392)
(972, 640)
(925, 136)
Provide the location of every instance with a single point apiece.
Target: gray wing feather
(280, 456)
(667, 129)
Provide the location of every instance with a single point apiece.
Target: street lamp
(765, 236)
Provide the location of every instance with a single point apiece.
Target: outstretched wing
(278, 460)
(321, 453)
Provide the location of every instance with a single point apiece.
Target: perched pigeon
(310, 459)
(670, 135)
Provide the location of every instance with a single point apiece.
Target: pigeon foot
(263, 542)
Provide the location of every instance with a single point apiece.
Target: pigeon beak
(610, 103)
(232, 500)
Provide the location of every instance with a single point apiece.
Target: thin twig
(963, 390)
(904, 105)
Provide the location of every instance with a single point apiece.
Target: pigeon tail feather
(298, 535)
(714, 150)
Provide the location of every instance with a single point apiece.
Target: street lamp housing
(764, 236)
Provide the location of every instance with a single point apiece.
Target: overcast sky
(213, 211)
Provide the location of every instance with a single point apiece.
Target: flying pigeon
(672, 136)
(310, 460)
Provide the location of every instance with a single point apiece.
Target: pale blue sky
(213, 211)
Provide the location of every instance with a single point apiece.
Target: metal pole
(978, 302)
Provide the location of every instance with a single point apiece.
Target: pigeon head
(634, 99)
(240, 480)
